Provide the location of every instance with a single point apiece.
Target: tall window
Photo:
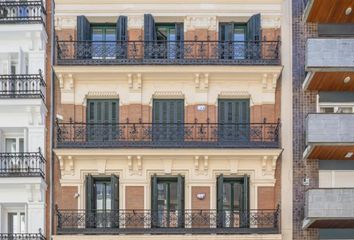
(233, 39)
(233, 201)
(103, 41)
(102, 201)
(169, 37)
(16, 222)
(167, 202)
(102, 119)
(168, 119)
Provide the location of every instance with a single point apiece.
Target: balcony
(163, 222)
(21, 236)
(151, 135)
(330, 65)
(334, 11)
(329, 208)
(330, 136)
(27, 164)
(168, 53)
(22, 86)
(22, 12)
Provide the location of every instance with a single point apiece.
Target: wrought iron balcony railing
(171, 222)
(140, 135)
(168, 52)
(22, 236)
(22, 12)
(26, 164)
(22, 86)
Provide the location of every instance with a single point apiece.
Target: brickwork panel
(265, 197)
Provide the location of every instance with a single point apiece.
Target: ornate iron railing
(22, 12)
(168, 52)
(205, 135)
(22, 236)
(177, 222)
(27, 164)
(22, 86)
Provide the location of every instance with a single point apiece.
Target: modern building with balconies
(23, 114)
(326, 170)
(168, 120)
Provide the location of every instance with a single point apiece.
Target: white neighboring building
(23, 41)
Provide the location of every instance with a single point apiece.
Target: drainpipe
(52, 122)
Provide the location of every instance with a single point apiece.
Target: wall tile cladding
(303, 103)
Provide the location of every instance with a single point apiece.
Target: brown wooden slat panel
(331, 152)
(331, 11)
(332, 223)
(331, 81)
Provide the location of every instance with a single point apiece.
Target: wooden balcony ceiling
(333, 223)
(330, 11)
(332, 152)
(331, 81)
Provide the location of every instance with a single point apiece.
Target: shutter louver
(122, 37)
(150, 36)
(180, 40)
(245, 209)
(90, 203)
(83, 36)
(180, 195)
(220, 197)
(115, 200)
(254, 36)
(154, 203)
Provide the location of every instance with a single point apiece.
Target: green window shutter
(219, 200)
(100, 111)
(90, 201)
(154, 203)
(245, 191)
(115, 200)
(83, 29)
(234, 111)
(168, 111)
(254, 28)
(122, 28)
(180, 195)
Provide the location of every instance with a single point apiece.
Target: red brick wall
(265, 197)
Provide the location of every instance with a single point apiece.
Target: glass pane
(100, 196)
(327, 110)
(162, 197)
(110, 34)
(227, 196)
(173, 196)
(22, 145)
(22, 223)
(345, 110)
(108, 196)
(97, 34)
(12, 223)
(237, 196)
(239, 44)
(10, 145)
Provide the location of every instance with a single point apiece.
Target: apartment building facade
(23, 111)
(323, 35)
(168, 120)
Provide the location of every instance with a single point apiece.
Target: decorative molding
(135, 165)
(234, 95)
(201, 22)
(65, 22)
(270, 21)
(269, 82)
(136, 22)
(66, 165)
(201, 165)
(101, 166)
(134, 82)
(168, 94)
(269, 165)
(201, 81)
(100, 95)
(234, 166)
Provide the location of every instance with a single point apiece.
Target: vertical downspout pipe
(52, 122)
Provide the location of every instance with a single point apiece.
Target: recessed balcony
(22, 12)
(333, 11)
(204, 221)
(168, 53)
(329, 208)
(330, 136)
(330, 65)
(151, 135)
(22, 164)
(22, 86)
